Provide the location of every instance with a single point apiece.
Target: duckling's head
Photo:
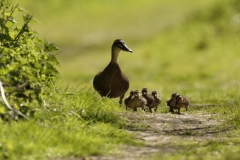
(144, 91)
(137, 93)
(119, 44)
(132, 92)
(179, 99)
(174, 95)
(154, 93)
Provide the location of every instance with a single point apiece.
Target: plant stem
(22, 29)
(13, 110)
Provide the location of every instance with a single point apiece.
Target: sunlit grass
(74, 123)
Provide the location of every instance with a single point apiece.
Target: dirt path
(160, 131)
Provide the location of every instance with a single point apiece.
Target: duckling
(128, 100)
(156, 102)
(149, 98)
(138, 101)
(177, 102)
(112, 82)
(182, 102)
(172, 102)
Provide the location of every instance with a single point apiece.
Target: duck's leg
(121, 98)
(150, 109)
(179, 111)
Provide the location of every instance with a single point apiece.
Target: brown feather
(111, 82)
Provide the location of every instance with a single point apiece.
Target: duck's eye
(119, 45)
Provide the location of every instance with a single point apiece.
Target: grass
(74, 123)
(220, 150)
(177, 47)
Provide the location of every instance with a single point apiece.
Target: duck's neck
(115, 52)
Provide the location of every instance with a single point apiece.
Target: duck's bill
(125, 48)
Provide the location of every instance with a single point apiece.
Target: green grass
(212, 149)
(175, 49)
(73, 123)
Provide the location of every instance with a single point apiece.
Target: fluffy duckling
(182, 102)
(112, 82)
(127, 100)
(149, 98)
(172, 102)
(177, 102)
(156, 102)
(136, 102)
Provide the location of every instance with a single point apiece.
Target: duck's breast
(111, 82)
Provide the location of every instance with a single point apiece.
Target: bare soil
(159, 131)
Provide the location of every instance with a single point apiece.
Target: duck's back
(111, 82)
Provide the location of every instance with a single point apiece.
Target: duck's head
(137, 93)
(120, 44)
(154, 93)
(132, 93)
(179, 99)
(174, 95)
(144, 91)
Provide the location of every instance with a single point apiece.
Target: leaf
(7, 13)
(35, 20)
(11, 34)
(2, 110)
(49, 47)
(26, 17)
(9, 24)
(37, 40)
(37, 65)
(22, 9)
(53, 59)
(12, 20)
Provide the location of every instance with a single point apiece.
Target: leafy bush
(26, 66)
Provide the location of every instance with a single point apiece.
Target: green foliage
(26, 66)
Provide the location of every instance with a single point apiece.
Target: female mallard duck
(112, 82)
